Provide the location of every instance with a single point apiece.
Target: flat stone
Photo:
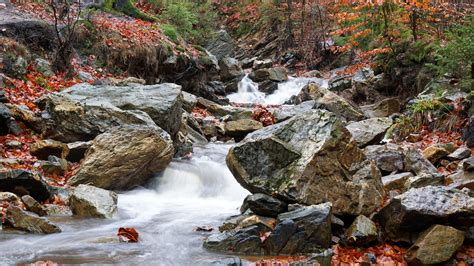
(396, 181)
(369, 131)
(24, 221)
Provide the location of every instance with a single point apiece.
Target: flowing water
(190, 193)
(248, 91)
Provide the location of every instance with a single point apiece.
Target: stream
(189, 193)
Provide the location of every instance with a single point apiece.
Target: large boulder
(24, 182)
(162, 102)
(369, 131)
(90, 201)
(125, 157)
(21, 220)
(67, 120)
(310, 158)
(264, 205)
(436, 245)
(418, 208)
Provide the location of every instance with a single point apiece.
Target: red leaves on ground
(384, 254)
(129, 235)
(133, 31)
(35, 85)
(263, 115)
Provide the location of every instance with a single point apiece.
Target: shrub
(170, 31)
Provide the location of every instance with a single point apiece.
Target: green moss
(127, 7)
(170, 32)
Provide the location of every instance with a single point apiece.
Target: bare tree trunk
(289, 40)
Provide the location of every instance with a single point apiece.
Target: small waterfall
(248, 91)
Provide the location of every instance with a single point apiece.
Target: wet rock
(277, 74)
(24, 221)
(434, 153)
(248, 62)
(232, 222)
(242, 127)
(162, 102)
(24, 182)
(244, 241)
(189, 101)
(77, 150)
(125, 157)
(227, 262)
(257, 220)
(309, 159)
(313, 229)
(268, 86)
(44, 67)
(389, 158)
(44, 148)
(419, 208)
(32, 205)
(230, 69)
(383, 108)
(436, 245)
(264, 205)
(370, 131)
(459, 154)
(361, 232)
(396, 181)
(277, 240)
(90, 201)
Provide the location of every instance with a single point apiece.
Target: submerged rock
(436, 245)
(309, 159)
(24, 182)
(91, 201)
(264, 205)
(125, 157)
(24, 221)
(361, 232)
(419, 208)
